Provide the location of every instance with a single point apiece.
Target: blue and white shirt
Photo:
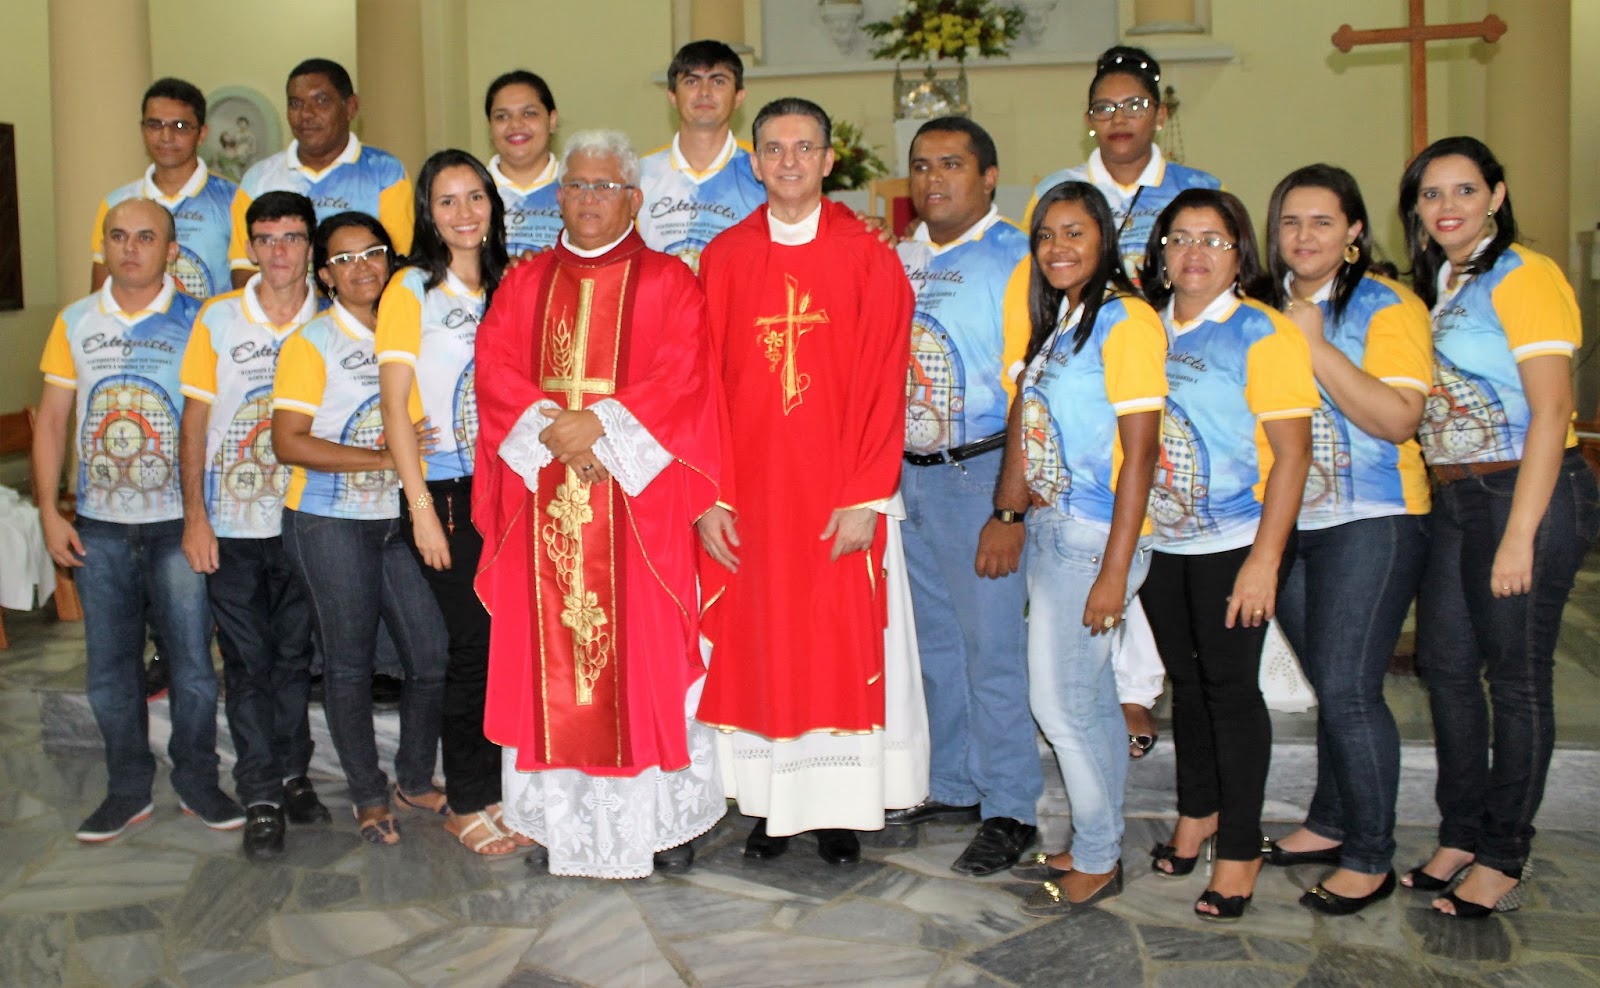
(683, 209)
(203, 213)
(533, 216)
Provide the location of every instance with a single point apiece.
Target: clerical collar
(1152, 175)
(608, 248)
(680, 163)
(794, 234)
(504, 181)
(974, 232)
(1220, 309)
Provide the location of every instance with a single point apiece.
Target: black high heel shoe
(1180, 867)
(1508, 903)
(1229, 908)
(1421, 881)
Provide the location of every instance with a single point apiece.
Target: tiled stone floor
(173, 903)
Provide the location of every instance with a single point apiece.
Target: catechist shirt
(202, 211)
(683, 209)
(533, 216)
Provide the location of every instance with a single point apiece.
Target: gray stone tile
(1279, 951)
(427, 864)
(524, 903)
(676, 910)
(1463, 940)
(1542, 974)
(799, 873)
(32, 950)
(114, 921)
(118, 961)
(84, 877)
(468, 957)
(601, 939)
(529, 977)
(1556, 933)
(1346, 967)
(1568, 897)
(363, 973)
(317, 890)
(976, 912)
(1096, 947)
(864, 919)
(1223, 976)
(318, 847)
(749, 959)
(954, 975)
(1176, 944)
(17, 806)
(24, 849)
(228, 901)
(211, 969)
(336, 937)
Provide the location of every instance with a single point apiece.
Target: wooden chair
(890, 200)
(16, 436)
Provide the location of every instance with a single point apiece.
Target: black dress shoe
(838, 847)
(1334, 904)
(929, 810)
(263, 831)
(999, 845)
(675, 860)
(1276, 855)
(761, 847)
(300, 802)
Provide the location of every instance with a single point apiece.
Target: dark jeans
(353, 570)
(1466, 634)
(1342, 610)
(471, 761)
(264, 631)
(130, 571)
(1220, 728)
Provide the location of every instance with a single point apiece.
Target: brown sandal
(378, 829)
(412, 801)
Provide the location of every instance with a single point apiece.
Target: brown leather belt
(1449, 473)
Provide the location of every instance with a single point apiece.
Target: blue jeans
(129, 571)
(264, 631)
(1465, 634)
(354, 570)
(972, 643)
(1342, 610)
(1074, 689)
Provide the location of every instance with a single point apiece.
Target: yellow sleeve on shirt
(1016, 325)
(198, 374)
(398, 336)
(301, 377)
(1135, 358)
(97, 237)
(1279, 383)
(57, 362)
(395, 212)
(1537, 309)
(238, 257)
(1399, 349)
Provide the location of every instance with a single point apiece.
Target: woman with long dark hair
(427, 328)
(1083, 437)
(1236, 444)
(1363, 522)
(1514, 511)
(341, 523)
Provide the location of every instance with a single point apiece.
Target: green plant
(855, 162)
(930, 30)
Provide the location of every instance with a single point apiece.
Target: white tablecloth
(26, 572)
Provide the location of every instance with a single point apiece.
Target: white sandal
(481, 820)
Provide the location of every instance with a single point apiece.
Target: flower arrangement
(855, 162)
(930, 30)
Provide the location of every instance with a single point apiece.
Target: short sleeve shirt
(328, 370)
(533, 216)
(683, 209)
(125, 369)
(203, 213)
(229, 365)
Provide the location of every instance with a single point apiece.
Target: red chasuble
(594, 641)
(812, 343)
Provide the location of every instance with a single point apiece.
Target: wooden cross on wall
(1417, 33)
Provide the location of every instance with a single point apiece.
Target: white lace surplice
(822, 780)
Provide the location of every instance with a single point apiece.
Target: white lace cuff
(521, 450)
(627, 450)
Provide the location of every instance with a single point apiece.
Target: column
(721, 20)
(1528, 122)
(99, 64)
(1170, 17)
(389, 60)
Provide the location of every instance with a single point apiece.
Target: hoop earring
(1491, 229)
(1352, 253)
(332, 291)
(1166, 282)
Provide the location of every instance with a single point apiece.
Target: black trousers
(1220, 729)
(471, 761)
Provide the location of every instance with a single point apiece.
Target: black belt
(958, 454)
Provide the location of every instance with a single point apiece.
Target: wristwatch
(1006, 516)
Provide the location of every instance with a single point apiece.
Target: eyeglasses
(375, 252)
(155, 125)
(772, 150)
(1181, 241)
(601, 190)
(267, 241)
(1133, 108)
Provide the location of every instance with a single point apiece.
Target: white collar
(1152, 175)
(193, 184)
(505, 181)
(349, 323)
(1219, 309)
(1447, 270)
(973, 232)
(680, 163)
(1068, 315)
(1319, 296)
(583, 252)
(256, 313)
(352, 151)
(794, 234)
(163, 299)
(455, 286)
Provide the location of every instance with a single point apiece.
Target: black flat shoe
(929, 810)
(1229, 908)
(1275, 855)
(838, 847)
(1421, 881)
(1180, 867)
(300, 802)
(263, 831)
(1334, 904)
(675, 860)
(761, 847)
(998, 845)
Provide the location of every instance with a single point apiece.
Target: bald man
(113, 359)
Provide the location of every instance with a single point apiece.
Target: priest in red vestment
(810, 318)
(597, 450)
